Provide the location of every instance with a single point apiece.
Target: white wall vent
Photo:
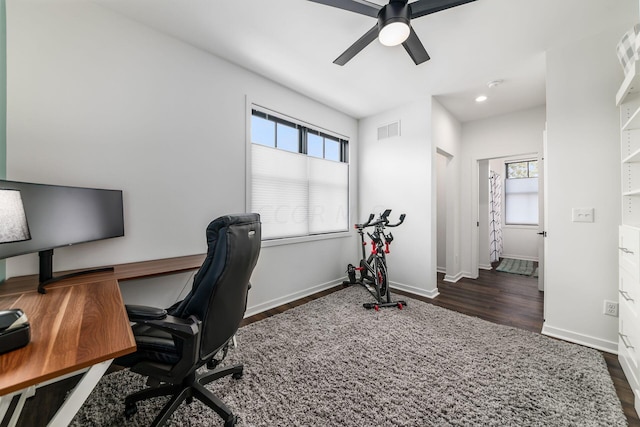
(389, 131)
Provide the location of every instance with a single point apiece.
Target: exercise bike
(373, 269)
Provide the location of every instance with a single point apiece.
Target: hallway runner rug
(331, 362)
(516, 266)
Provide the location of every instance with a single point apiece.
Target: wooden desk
(129, 271)
(79, 323)
(72, 327)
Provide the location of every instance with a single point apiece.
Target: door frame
(475, 203)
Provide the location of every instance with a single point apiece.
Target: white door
(542, 210)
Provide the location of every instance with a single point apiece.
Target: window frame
(264, 112)
(504, 191)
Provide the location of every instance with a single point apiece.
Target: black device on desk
(15, 331)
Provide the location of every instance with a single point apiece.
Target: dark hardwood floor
(502, 298)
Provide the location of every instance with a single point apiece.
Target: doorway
(447, 260)
(510, 216)
(441, 193)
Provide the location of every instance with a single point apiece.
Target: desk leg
(5, 402)
(79, 394)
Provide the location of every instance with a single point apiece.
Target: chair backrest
(218, 297)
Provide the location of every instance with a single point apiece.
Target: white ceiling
(294, 42)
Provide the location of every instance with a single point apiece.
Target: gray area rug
(332, 363)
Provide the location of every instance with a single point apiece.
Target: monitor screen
(62, 216)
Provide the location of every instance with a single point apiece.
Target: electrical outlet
(611, 308)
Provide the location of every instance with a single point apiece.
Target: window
(521, 193)
(299, 178)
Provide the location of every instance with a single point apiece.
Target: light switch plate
(582, 214)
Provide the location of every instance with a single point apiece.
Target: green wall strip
(3, 103)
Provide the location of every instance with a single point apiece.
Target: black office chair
(173, 343)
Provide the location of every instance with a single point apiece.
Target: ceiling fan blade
(360, 44)
(415, 49)
(362, 7)
(425, 7)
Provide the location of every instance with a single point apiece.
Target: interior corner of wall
(3, 105)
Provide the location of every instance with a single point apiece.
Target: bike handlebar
(402, 217)
(384, 220)
(367, 223)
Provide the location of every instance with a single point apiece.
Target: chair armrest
(180, 328)
(143, 312)
(187, 332)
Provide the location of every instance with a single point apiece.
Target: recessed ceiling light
(481, 98)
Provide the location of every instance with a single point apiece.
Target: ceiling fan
(394, 24)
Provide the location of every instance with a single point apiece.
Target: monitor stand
(46, 271)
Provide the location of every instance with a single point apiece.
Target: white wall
(446, 133)
(583, 170)
(97, 100)
(508, 135)
(400, 175)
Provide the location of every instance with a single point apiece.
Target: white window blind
(521, 201)
(328, 195)
(298, 195)
(279, 191)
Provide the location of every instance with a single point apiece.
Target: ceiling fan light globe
(394, 33)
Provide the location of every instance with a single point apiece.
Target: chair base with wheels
(191, 387)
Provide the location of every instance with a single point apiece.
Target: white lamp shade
(13, 220)
(394, 33)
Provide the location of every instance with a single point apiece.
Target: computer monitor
(60, 216)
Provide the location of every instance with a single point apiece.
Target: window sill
(305, 239)
(521, 226)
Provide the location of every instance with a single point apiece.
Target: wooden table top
(72, 327)
(79, 322)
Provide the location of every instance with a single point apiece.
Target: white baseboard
(417, 291)
(267, 305)
(441, 270)
(485, 267)
(577, 338)
(460, 275)
(453, 279)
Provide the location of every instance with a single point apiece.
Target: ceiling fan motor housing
(395, 11)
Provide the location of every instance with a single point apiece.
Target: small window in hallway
(521, 193)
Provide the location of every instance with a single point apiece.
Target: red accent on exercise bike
(358, 268)
(376, 307)
(400, 306)
(386, 247)
(373, 247)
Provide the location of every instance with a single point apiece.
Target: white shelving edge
(634, 120)
(631, 83)
(632, 193)
(632, 158)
